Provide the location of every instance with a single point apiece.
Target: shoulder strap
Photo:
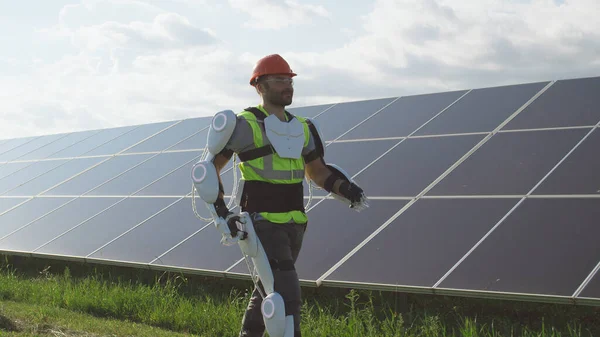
(256, 112)
(260, 151)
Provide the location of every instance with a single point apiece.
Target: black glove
(350, 191)
(229, 216)
(231, 223)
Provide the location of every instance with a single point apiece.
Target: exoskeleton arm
(206, 178)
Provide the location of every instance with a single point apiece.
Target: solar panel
(572, 102)
(201, 251)
(419, 246)
(27, 212)
(97, 175)
(344, 156)
(10, 168)
(98, 139)
(11, 144)
(28, 147)
(414, 164)
(178, 183)
(54, 176)
(90, 235)
(58, 145)
(578, 174)
(128, 139)
(197, 141)
(343, 116)
(404, 116)
(28, 173)
(592, 290)
(309, 111)
(145, 173)
(171, 136)
(161, 232)
(488, 192)
(8, 203)
(482, 110)
(67, 216)
(333, 231)
(509, 163)
(545, 247)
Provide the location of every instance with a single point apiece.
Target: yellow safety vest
(272, 168)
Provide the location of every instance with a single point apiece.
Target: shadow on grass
(7, 324)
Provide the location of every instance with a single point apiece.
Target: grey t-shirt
(242, 138)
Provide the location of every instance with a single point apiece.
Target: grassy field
(47, 302)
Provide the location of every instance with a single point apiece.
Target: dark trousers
(282, 244)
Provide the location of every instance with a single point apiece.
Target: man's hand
(319, 172)
(350, 191)
(232, 220)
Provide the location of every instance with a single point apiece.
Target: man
(277, 150)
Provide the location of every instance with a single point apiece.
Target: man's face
(279, 90)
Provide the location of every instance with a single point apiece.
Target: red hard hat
(271, 65)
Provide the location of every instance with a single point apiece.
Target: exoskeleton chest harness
(286, 139)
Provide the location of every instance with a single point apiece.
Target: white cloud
(168, 30)
(415, 46)
(270, 14)
(163, 66)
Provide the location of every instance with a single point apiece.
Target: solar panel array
(490, 192)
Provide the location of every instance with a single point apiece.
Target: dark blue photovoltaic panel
(28, 173)
(98, 139)
(171, 136)
(414, 164)
(482, 110)
(129, 139)
(592, 290)
(571, 102)
(546, 246)
(17, 152)
(97, 175)
(579, 173)
(10, 168)
(509, 163)
(179, 182)
(54, 224)
(59, 145)
(144, 174)
(424, 242)
(55, 176)
(27, 212)
(202, 251)
(7, 203)
(343, 116)
(93, 234)
(195, 142)
(308, 111)
(160, 233)
(333, 231)
(345, 156)
(404, 116)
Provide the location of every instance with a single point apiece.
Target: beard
(282, 98)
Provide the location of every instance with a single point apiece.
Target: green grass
(172, 305)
